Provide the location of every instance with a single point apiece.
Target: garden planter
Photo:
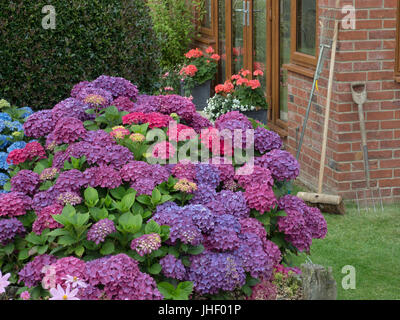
(260, 115)
(200, 94)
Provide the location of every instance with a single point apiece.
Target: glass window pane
(207, 15)
(306, 26)
(284, 36)
(222, 38)
(260, 38)
(237, 35)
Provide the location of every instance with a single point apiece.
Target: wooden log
(326, 203)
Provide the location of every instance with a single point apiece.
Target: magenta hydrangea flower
(182, 106)
(265, 140)
(163, 150)
(123, 104)
(68, 130)
(144, 186)
(198, 122)
(316, 223)
(120, 279)
(232, 116)
(249, 175)
(39, 124)
(99, 138)
(146, 244)
(25, 181)
(104, 176)
(260, 197)
(184, 170)
(68, 266)
(100, 230)
(45, 219)
(282, 164)
(31, 274)
(14, 204)
(265, 290)
(9, 229)
(172, 267)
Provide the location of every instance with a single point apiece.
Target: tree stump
(318, 283)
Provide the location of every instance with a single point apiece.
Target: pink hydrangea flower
(4, 282)
(163, 150)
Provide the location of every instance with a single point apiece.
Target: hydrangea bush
(100, 208)
(11, 135)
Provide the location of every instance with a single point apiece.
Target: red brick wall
(364, 54)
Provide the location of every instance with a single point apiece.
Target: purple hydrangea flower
(39, 124)
(198, 122)
(201, 216)
(100, 230)
(70, 108)
(44, 199)
(212, 272)
(9, 229)
(71, 180)
(207, 174)
(31, 274)
(184, 170)
(99, 138)
(224, 236)
(119, 87)
(49, 174)
(68, 130)
(205, 195)
(282, 165)
(121, 279)
(144, 186)
(265, 140)
(182, 106)
(124, 104)
(25, 181)
(172, 267)
(233, 203)
(233, 115)
(249, 175)
(104, 176)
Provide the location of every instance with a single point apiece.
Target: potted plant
(239, 94)
(198, 71)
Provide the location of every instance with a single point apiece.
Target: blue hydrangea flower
(16, 145)
(3, 161)
(3, 191)
(14, 125)
(28, 112)
(5, 116)
(3, 179)
(2, 125)
(4, 142)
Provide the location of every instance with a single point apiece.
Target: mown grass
(368, 241)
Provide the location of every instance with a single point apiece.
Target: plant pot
(200, 94)
(260, 115)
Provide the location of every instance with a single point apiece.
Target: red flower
(194, 53)
(228, 86)
(17, 156)
(241, 81)
(216, 57)
(189, 70)
(210, 50)
(180, 132)
(236, 77)
(254, 84)
(245, 73)
(135, 117)
(258, 73)
(219, 88)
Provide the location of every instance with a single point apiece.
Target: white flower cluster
(219, 105)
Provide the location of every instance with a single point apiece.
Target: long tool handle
(364, 143)
(316, 77)
(328, 107)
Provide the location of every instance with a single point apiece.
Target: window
(397, 64)
(304, 39)
(207, 23)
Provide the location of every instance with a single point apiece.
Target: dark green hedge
(38, 67)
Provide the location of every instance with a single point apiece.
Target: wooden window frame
(397, 59)
(301, 63)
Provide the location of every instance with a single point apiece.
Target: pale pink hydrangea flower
(25, 295)
(4, 282)
(49, 280)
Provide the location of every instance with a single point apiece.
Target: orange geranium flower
(216, 57)
(194, 53)
(254, 84)
(210, 50)
(258, 73)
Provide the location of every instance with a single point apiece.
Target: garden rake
(369, 197)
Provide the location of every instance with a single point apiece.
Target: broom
(326, 203)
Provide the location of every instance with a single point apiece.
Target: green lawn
(371, 243)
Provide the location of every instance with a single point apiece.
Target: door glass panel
(306, 26)
(222, 40)
(284, 56)
(238, 21)
(207, 14)
(260, 39)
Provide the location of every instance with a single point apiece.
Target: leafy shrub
(90, 209)
(91, 37)
(174, 23)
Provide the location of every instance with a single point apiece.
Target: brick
(389, 183)
(395, 164)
